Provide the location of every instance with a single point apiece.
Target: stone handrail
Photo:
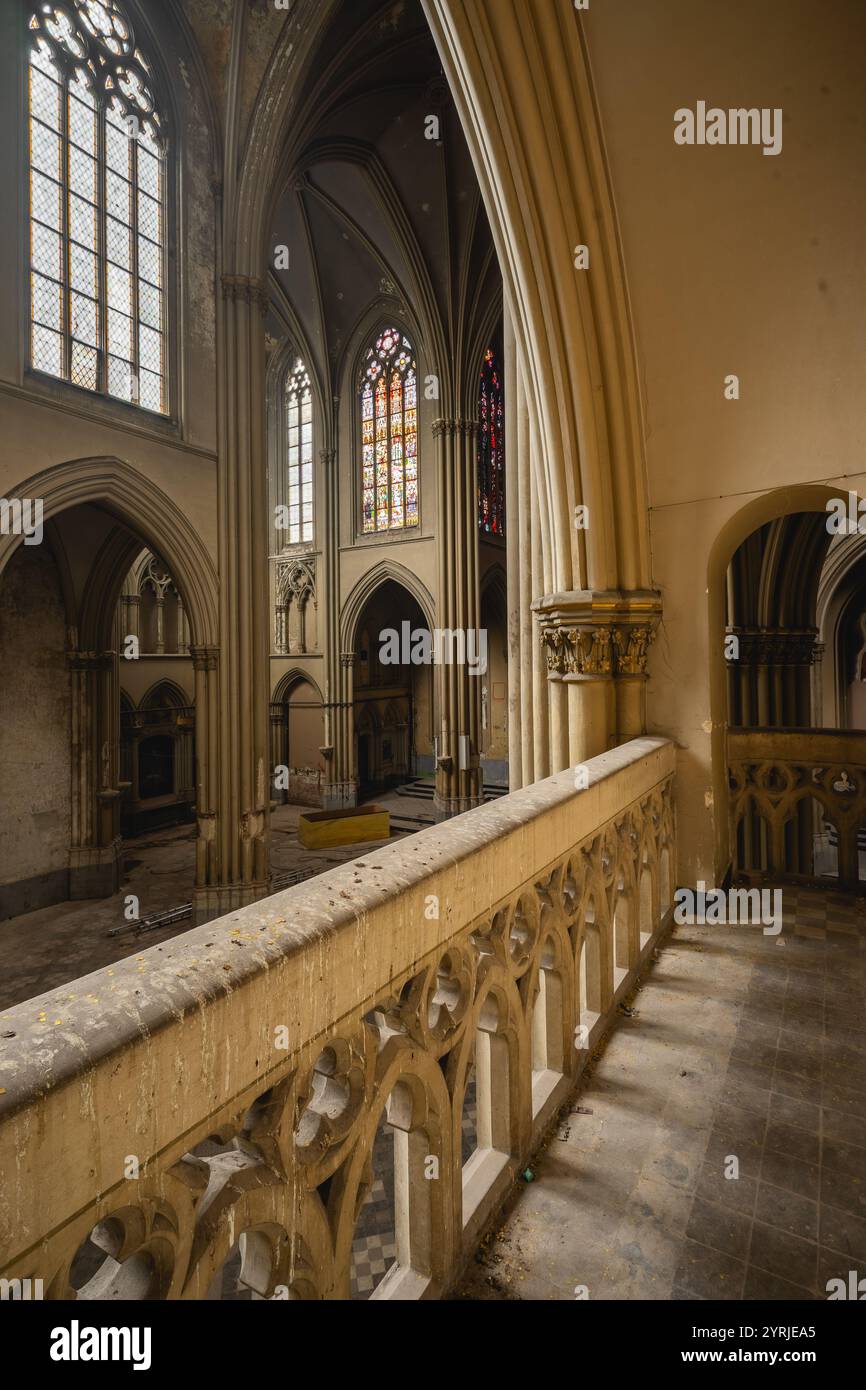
(199, 1119)
(797, 804)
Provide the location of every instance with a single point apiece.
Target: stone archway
(123, 512)
(392, 693)
(770, 507)
(523, 90)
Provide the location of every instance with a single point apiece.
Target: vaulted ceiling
(373, 211)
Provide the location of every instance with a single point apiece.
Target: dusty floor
(744, 1045)
(44, 949)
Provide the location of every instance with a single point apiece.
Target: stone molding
(775, 646)
(246, 289)
(598, 635)
(410, 999)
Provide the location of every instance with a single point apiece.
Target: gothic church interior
(405, 410)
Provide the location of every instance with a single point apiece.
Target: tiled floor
(374, 1248)
(47, 948)
(745, 1047)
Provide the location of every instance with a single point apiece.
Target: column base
(446, 807)
(94, 872)
(219, 901)
(337, 796)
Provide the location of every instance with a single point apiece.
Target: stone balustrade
(221, 1115)
(798, 805)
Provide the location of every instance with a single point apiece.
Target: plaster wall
(35, 756)
(737, 263)
(43, 421)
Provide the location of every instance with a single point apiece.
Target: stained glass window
(491, 449)
(97, 205)
(389, 435)
(300, 454)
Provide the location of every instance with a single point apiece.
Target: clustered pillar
(95, 840)
(458, 757)
(241, 790)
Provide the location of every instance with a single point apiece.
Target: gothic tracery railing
(231, 1114)
(798, 805)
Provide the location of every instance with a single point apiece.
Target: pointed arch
(287, 683)
(802, 497)
(367, 586)
(149, 514)
(164, 694)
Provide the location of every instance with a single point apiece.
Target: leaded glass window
(300, 454)
(97, 205)
(491, 449)
(389, 435)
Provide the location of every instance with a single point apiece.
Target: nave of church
(432, 624)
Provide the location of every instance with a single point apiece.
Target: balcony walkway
(744, 1045)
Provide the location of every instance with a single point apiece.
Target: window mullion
(134, 303)
(102, 246)
(65, 237)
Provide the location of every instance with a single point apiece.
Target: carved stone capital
(578, 651)
(246, 289)
(455, 426)
(204, 658)
(774, 646)
(632, 646)
(598, 634)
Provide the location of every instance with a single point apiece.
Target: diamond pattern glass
(97, 233)
(299, 432)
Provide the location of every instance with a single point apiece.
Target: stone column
(342, 790)
(775, 664)
(159, 645)
(279, 748)
(182, 628)
(95, 829)
(458, 764)
(516, 523)
(338, 791)
(207, 864)
(243, 675)
(133, 616)
(596, 645)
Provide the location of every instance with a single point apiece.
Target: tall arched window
(97, 205)
(299, 424)
(389, 434)
(491, 449)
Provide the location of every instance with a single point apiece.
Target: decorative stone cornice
(774, 646)
(246, 289)
(598, 634)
